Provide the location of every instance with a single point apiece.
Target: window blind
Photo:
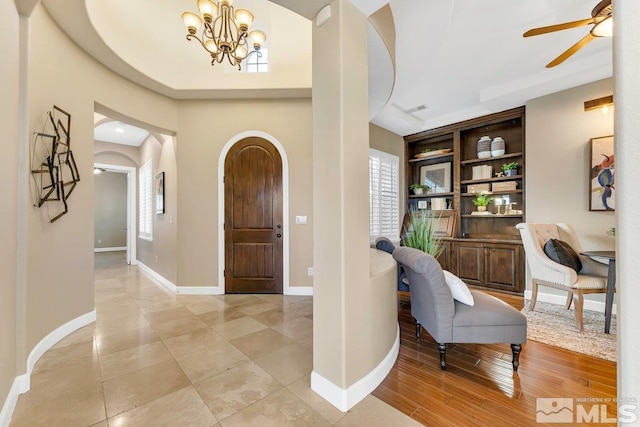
(145, 211)
(383, 195)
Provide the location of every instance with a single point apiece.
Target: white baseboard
(179, 290)
(561, 299)
(119, 248)
(10, 403)
(347, 399)
(22, 383)
(299, 290)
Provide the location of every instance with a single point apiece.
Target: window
(258, 62)
(145, 210)
(383, 195)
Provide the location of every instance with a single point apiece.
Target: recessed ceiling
(462, 59)
(120, 133)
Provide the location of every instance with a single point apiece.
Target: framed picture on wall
(437, 177)
(602, 174)
(160, 193)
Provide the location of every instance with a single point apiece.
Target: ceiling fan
(602, 27)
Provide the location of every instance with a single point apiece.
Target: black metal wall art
(53, 167)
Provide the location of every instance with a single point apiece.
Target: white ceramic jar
(497, 146)
(484, 147)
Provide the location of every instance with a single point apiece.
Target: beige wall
(110, 207)
(383, 140)
(205, 128)
(9, 119)
(161, 254)
(558, 131)
(60, 256)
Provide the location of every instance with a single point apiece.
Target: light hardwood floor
(479, 386)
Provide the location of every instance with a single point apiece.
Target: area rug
(554, 325)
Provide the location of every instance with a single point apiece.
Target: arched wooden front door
(253, 217)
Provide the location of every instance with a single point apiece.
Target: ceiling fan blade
(573, 49)
(559, 27)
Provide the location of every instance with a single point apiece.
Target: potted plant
(510, 169)
(420, 232)
(481, 201)
(419, 189)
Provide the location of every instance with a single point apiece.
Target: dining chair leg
(578, 303)
(418, 330)
(567, 304)
(534, 296)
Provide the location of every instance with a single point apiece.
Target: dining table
(611, 283)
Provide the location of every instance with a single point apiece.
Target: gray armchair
(489, 320)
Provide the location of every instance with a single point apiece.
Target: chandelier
(224, 31)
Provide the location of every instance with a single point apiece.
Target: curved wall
(59, 284)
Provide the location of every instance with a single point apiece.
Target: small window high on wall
(384, 204)
(145, 210)
(257, 62)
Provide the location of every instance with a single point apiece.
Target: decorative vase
(511, 172)
(482, 208)
(484, 147)
(497, 146)
(418, 191)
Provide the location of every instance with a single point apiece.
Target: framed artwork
(437, 177)
(602, 174)
(160, 193)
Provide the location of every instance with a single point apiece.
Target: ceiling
(460, 59)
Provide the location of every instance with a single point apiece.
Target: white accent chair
(546, 272)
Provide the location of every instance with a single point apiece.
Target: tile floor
(156, 359)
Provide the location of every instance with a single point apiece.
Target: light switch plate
(301, 219)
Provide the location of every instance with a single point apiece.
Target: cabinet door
(469, 261)
(504, 267)
(445, 257)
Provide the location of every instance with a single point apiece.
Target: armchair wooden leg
(578, 302)
(567, 305)
(442, 348)
(515, 350)
(418, 330)
(534, 296)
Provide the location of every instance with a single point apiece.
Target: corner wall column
(626, 62)
(340, 200)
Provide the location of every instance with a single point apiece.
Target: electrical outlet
(310, 271)
(99, 240)
(301, 219)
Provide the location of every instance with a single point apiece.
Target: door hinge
(224, 225)
(224, 273)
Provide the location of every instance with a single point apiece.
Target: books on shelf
(481, 172)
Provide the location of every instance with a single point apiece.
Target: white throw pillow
(459, 289)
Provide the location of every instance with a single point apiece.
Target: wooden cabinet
(483, 250)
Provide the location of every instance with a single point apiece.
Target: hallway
(154, 359)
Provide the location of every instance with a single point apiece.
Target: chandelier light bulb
(191, 21)
(244, 18)
(240, 52)
(211, 46)
(257, 38)
(208, 10)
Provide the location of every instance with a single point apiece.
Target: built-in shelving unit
(484, 250)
